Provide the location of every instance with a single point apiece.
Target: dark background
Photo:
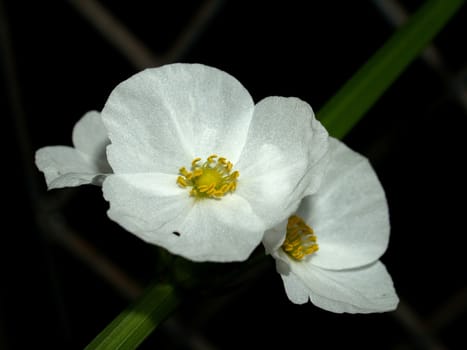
(67, 271)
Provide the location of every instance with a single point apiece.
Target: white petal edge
(295, 289)
(67, 167)
(364, 290)
(153, 208)
(349, 212)
(162, 118)
(273, 238)
(269, 191)
(318, 161)
(90, 137)
(277, 163)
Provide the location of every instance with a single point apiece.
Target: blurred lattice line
(57, 230)
(130, 46)
(16, 106)
(449, 312)
(51, 225)
(397, 15)
(117, 34)
(420, 335)
(424, 333)
(193, 30)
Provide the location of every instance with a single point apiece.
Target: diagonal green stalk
(360, 93)
(135, 323)
(339, 115)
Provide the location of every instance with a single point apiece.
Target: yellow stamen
(197, 172)
(211, 179)
(203, 188)
(194, 161)
(300, 240)
(211, 158)
(182, 181)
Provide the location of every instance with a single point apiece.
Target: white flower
(199, 168)
(86, 163)
(331, 251)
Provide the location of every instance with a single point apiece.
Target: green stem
(135, 323)
(359, 94)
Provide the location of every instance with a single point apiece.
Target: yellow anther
(197, 172)
(211, 179)
(203, 188)
(211, 158)
(310, 250)
(181, 181)
(224, 188)
(293, 220)
(296, 243)
(232, 187)
(194, 161)
(300, 240)
(210, 189)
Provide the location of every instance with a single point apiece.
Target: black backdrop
(414, 137)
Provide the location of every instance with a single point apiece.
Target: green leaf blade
(134, 324)
(340, 114)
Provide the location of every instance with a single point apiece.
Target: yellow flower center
(212, 179)
(300, 240)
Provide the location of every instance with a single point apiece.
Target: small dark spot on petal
(176, 233)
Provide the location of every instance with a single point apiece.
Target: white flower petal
(152, 207)
(349, 213)
(90, 137)
(296, 291)
(67, 167)
(273, 238)
(266, 186)
(277, 163)
(214, 232)
(363, 290)
(160, 119)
